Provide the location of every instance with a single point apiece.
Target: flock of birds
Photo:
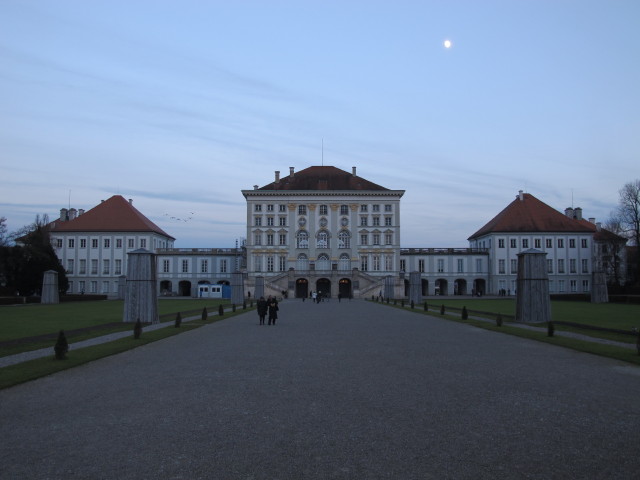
(177, 219)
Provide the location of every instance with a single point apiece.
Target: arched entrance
(442, 287)
(165, 287)
(184, 288)
(344, 288)
(460, 287)
(323, 287)
(425, 287)
(479, 287)
(302, 288)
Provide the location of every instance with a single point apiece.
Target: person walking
(261, 306)
(273, 311)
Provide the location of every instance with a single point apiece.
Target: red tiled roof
(531, 215)
(113, 215)
(602, 235)
(322, 178)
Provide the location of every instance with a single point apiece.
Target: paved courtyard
(349, 390)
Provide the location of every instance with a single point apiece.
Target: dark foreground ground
(349, 390)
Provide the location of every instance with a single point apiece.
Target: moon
(447, 44)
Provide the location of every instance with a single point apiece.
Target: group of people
(268, 307)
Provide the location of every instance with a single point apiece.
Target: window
(302, 239)
(421, 266)
(282, 263)
(376, 239)
(118, 243)
(345, 262)
(58, 242)
(403, 264)
(585, 243)
(514, 265)
(460, 265)
(270, 208)
(549, 266)
(94, 287)
(71, 243)
(185, 266)
(585, 265)
(574, 286)
(478, 265)
(560, 243)
(344, 239)
(560, 265)
(282, 239)
(525, 243)
(270, 221)
(270, 239)
(165, 266)
(118, 267)
(322, 240)
(549, 243)
(204, 266)
(344, 209)
(83, 243)
(105, 267)
(388, 239)
(388, 208)
(363, 221)
(69, 266)
(223, 265)
(388, 221)
(94, 243)
(323, 210)
(585, 285)
(501, 243)
(364, 239)
(572, 265)
(257, 263)
(143, 243)
(257, 238)
(83, 267)
(376, 208)
(561, 286)
(257, 221)
(270, 263)
(364, 263)
(107, 243)
(131, 243)
(514, 243)
(537, 243)
(572, 243)
(282, 221)
(440, 265)
(302, 262)
(363, 208)
(376, 221)
(302, 209)
(94, 267)
(501, 266)
(105, 287)
(282, 208)
(376, 263)
(388, 263)
(257, 208)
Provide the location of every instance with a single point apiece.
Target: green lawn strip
(611, 351)
(33, 369)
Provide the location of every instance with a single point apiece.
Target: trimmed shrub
(499, 320)
(426, 307)
(464, 314)
(220, 310)
(61, 347)
(137, 329)
(412, 305)
(178, 320)
(233, 307)
(244, 305)
(205, 314)
(550, 329)
(441, 309)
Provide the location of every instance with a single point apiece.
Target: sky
(180, 105)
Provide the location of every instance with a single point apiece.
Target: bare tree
(628, 213)
(612, 250)
(4, 241)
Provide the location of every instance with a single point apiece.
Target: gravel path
(350, 390)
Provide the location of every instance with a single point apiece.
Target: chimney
(577, 213)
(592, 220)
(64, 214)
(277, 176)
(291, 172)
(520, 195)
(353, 171)
(131, 201)
(72, 213)
(598, 226)
(255, 187)
(568, 212)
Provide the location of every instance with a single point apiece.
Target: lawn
(22, 321)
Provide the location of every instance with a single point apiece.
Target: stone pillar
(389, 283)
(122, 287)
(50, 294)
(533, 303)
(259, 287)
(599, 292)
(141, 297)
(415, 287)
(237, 288)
